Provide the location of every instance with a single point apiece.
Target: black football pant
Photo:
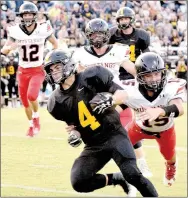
(94, 158)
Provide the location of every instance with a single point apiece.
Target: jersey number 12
(85, 117)
(32, 54)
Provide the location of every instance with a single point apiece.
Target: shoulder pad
(142, 34)
(96, 75)
(113, 30)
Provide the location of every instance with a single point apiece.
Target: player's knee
(32, 96)
(79, 184)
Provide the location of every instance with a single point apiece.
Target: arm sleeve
(53, 109)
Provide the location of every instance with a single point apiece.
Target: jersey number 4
(132, 53)
(86, 118)
(33, 51)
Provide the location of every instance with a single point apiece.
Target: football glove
(74, 138)
(101, 102)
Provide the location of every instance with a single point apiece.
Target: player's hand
(69, 128)
(103, 101)
(74, 138)
(151, 114)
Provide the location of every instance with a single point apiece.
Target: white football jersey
(111, 60)
(30, 46)
(174, 88)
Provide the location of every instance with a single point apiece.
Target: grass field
(40, 166)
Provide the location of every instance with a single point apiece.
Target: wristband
(171, 111)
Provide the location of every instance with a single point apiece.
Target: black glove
(74, 138)
(101, 102)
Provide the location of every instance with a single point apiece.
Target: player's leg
(44, 85)
(84, 177)
(35, 83)
(140, 155)
(167, 145)
(2, 93)
(23, 83)
(124, 156)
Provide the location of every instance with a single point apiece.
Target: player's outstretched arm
(52, 39)
(129, 67)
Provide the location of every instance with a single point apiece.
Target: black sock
(110, 179)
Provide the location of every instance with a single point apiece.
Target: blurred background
(165, 21)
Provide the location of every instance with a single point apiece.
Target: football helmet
(64, 61)
(127, 13)
(26, 8)
(147, 63)
(97, 32)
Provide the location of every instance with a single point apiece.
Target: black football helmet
(66, 62)
(28, 7)
(149, 62)
(97, 26)
(127, 13)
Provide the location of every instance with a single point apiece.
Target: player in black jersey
(138, 41)
(11, 68)
(103, 135)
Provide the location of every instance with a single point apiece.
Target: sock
(30, 123)
(110, 179)
(35, 114)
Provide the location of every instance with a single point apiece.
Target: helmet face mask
(97, 32)
(151, 71)
(28, 13)
(153, 85)
(125, 12)
(58, 66)
(28, 21)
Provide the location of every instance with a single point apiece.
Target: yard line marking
(184, 149)
(53, 190)
(45, 166)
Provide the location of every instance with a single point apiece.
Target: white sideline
(184, 149)
(52, 190)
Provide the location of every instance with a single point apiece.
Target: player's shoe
(118, 179)
(170, 174)
(30, 132)
(143, 167)
(36, 125)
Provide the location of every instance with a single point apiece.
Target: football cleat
(170, 174)
(36, 125)
(118, 179)
(30, 132)
(143, 167)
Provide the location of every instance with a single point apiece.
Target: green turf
(41, 166)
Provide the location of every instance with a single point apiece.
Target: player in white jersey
(155, 100)
(112, 57)
(29, 38)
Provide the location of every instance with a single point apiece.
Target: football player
(11, 68)
(139, 41)
(29, 37)
(104, 136)
(111, 57)
(156, 101)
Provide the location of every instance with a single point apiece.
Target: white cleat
(170, 174)
(144, 169)
(132, 190)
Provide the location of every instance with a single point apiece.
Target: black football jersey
(138, 41)
(12, 69)
(72, 105)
